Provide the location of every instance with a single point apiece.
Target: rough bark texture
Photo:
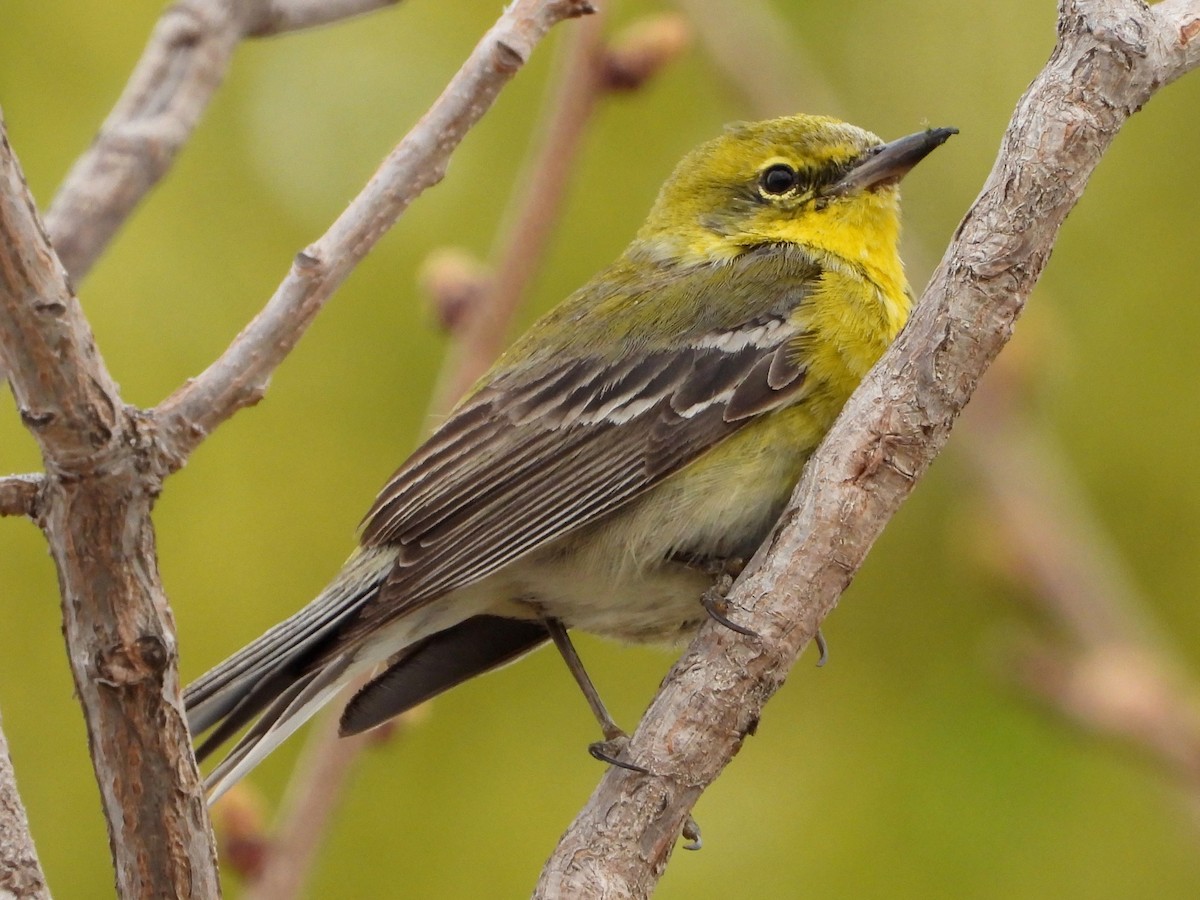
(1110, 58)
(20, 872)
(95, 510)
(20, 495)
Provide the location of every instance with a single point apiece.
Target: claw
(609, 751)
(822, 648)
(713, 601)
(691, 831)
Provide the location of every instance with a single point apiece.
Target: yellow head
(807, 180)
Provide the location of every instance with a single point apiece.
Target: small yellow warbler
(640, 437)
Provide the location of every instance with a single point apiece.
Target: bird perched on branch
(621, 456)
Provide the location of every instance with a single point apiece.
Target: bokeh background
(911, 766)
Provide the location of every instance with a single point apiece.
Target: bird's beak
(888, 163)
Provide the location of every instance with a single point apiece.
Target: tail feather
(283, 677)
(242, 710)
(278, 682)
(284, 650)
(290, 709)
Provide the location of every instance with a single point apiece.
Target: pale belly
(620, 577)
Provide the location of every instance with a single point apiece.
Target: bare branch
(183, 64)
(120, 637)
(240, 376)
(522, 244)
(64, 394)
(1048, 541)
(20, 872)
(891, 429)
(103, 462)
(20, 495)
(1123, 691)
(264, 18)
(759, 58)
(182, 67)
(313, 795)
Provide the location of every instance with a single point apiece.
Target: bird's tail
(281, 679)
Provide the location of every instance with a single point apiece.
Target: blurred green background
(908, 767)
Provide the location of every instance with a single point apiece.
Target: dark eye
(778, 179)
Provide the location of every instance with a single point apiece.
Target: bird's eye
(778, 179)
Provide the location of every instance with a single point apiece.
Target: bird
(621, 459)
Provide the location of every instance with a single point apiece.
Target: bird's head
(813, 181)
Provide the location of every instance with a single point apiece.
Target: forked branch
(184, 63)
(240, 376)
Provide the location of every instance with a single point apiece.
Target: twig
(19, 495)
(895, 423)
(181, 68)
(239, 377)
(267, 18)
(1049, 541)
(522, 244)
(313, 794)
(758, 55)
(20, 872)
(64, 394)
(1123, 691)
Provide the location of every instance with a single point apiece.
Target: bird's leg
(609, 749)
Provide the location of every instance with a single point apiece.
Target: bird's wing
(529, 458)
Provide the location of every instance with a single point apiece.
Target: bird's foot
(723, 572)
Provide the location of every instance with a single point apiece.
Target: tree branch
(1054, 547)
(1111, 56)
(120, 637)
(20, 872)
(20, 495)
(267, 18)
(103, 461)
(183, 64)
(64, 394)
(483, 334)
(240, 376)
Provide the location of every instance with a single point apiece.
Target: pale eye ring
(777, 179)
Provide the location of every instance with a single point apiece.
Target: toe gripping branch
(715, 599)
